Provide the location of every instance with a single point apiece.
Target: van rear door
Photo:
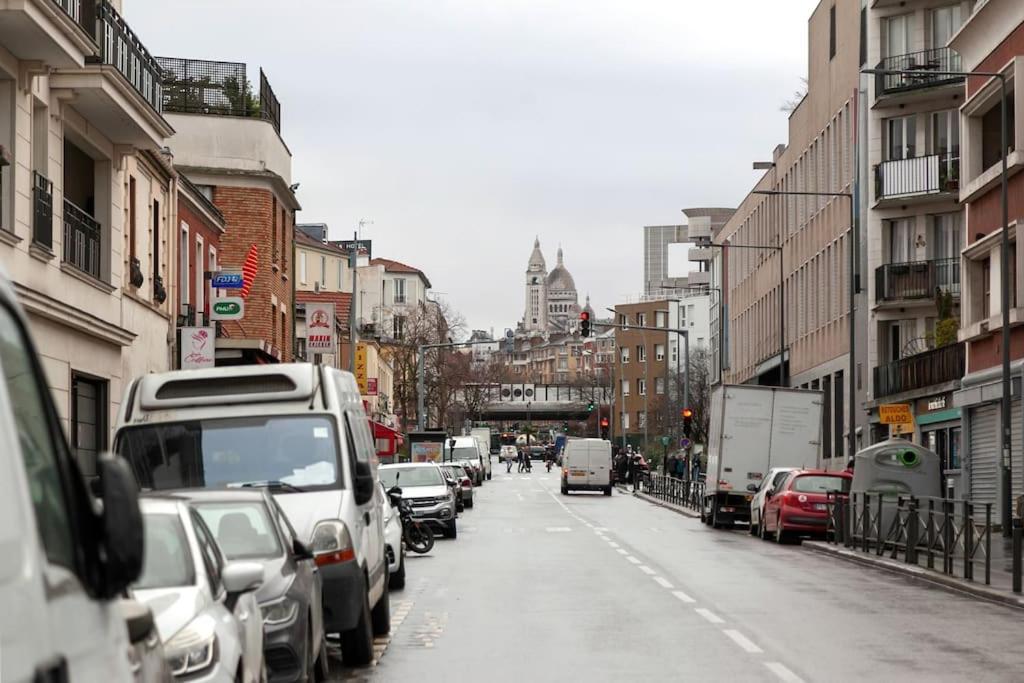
(577, 464)
(600, 465)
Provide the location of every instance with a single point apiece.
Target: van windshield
(300, 451)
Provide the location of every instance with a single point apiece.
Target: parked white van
(65, 560)
(298, 429)
(587, 466)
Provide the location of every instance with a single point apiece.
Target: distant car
(799, 504)
(423, 485)
(467, 448)
(472, 469)
(464, 480)
(204, 607)
(394, 547)
(771, 481)
(507, 453)
(250, 525)
(453, 485)
(537, 452)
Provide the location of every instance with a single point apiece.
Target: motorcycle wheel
(419, 538)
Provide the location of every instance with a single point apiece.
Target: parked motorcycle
(416, 533)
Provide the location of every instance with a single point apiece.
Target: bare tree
(700, 397)
(798, 96)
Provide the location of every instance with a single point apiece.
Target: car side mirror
(121, 522)
(301, 551)
(240, 578)
(752, 488)
(362, 483)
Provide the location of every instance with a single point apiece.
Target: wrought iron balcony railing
(83, 239)
(922, 66)
(917, 279)
(921, 370)
(122, 49)
(918, 176)
(42, 210)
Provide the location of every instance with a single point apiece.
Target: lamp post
(851, 380)
(1004, 280)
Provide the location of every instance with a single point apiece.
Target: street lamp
(1004, 280)
(851, 380)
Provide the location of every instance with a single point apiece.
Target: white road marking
(620, 551)
(632, 559)
(709, 615)
(613, 544)
(783, 672)
(647, 570)
(744, 642)
(557, 529)
(662, 581)
(683, 596)
(600, 528)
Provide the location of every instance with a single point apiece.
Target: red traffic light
(584, 315)
(687, 413)
(604, 421)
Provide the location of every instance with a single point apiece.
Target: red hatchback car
(800, 504)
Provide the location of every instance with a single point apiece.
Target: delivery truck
(483, 435)
(752, 429)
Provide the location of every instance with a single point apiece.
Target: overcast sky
(463, 128)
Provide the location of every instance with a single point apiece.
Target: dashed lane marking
(744, 642)
(620, 551)
(558, 529)
(683, 596)
(630, 558)
(663, 582)
(783, 672)
(709, 615)
(647, 570)
(613, 544)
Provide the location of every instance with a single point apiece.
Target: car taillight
(466, 482)
(793, 500)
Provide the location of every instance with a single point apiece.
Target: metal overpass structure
(542, 401)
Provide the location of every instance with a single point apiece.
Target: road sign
(227, 308)
(685, 443)
(664, 440)
(226, 279)
(895, 413)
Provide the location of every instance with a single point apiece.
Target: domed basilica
(552, 303)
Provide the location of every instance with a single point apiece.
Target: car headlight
(280, 612)
(193, 648)
(331, 543)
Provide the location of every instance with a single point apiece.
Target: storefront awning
(387, 439)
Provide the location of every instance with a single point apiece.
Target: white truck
(752, 429)
(483, 435)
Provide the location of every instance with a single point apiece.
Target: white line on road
(558, 529)
(613, 544)
(783, 672)
(709, 615)
(620, 551)
(683, 596)
(630, 558)
(662, 581)
(647, 570)
(744, 642)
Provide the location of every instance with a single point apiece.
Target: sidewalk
(686, 512)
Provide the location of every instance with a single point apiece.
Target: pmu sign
(226, 279)
(227, 308)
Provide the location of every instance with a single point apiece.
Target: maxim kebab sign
(320, 327)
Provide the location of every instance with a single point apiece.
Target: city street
(541, 586)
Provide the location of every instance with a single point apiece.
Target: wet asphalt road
(544, 587)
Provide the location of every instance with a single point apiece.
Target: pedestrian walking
(519, 460)
(637, 472)
(508, 464)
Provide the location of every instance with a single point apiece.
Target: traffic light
(687, 422)
(584, 323)
(604, 427)
(590, 407)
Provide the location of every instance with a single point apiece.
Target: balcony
(923, 64)
(83, 240)
(919, 177)
(921, 370)
(198, 86)
(57, 33)
(42, 210)
(916, 280)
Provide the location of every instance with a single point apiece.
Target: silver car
(205, 609)
(423, 485)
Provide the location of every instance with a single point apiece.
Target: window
(625, 354)
(156, 243)
(944, 442)
(901, 241)
(682, 313)
(200, 296)
(37, 433)
(945, 21)
(641, 353)
(896, 40)
(659, 352)
(831, 31)
(661, 318)
(302, 267)
(641, 386)
(132, 237)
(212, 559)
(625, 387)
(274, 233)
(838, 436)
(901, 137)
(624, 418)
(659, 385)
(986, 288)
(323, 271)
(399, 290)
(641, 319)
(398, 326)
(623, 320)
(991, 125)
(863, 36)
(641, 419)
(183, 274)
(88, 418)
(341, 275)
(945, 137)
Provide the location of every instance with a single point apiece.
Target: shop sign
(937, 403)
(227, 308)
(319, 327)
(197, 347)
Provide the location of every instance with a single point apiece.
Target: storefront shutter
(983, 458)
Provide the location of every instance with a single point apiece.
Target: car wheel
(762, 532)
(321, 665)
(381, 615)
(357, 643)
(451, 531)
(397, 580)
(715, 524)
(607, 490)
(469, 503)
(565, 490)
(780, 531)
(753, 525)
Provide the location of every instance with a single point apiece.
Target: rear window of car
(820, 483)
(243, 530)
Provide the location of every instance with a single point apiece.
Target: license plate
(821, 506)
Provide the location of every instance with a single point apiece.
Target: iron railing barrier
(685, 493)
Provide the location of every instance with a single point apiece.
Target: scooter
(416, 533)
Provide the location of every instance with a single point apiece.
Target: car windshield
(167, 561)
(459, 471)
(243, 530)
(404, 477)
(300, 451)
(820, 483)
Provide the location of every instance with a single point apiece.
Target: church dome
(559, 280)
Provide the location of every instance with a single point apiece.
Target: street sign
(319, 327)
(895, 413)
(226, 279)
(227, 308)
(664, 440)
(685, 443)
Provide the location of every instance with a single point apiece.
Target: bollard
(988, 544)
(930, 533)
(968, 540)
(1018, 533)
(910, 555)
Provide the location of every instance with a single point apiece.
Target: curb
(685, 512)
(915, 573)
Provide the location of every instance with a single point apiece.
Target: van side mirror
(121, 524)
(752, 488)
(362, 483)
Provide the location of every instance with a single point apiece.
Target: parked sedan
(249, 525)
(799, 505)
(771, 481)
(205, 608)
(394, 548)
(465, 482)
(422, 484)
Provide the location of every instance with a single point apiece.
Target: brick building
(639, 372)
(201, 226)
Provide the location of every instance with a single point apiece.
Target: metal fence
(122, 49)
(936, 366)
(686, 493)
(82, 240)
(200, 86)
(42, 210)
(956, 534)
(917, 176)
(922, 66)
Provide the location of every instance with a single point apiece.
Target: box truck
(483, 435)
(752, 429)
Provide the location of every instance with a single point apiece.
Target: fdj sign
(227, 280)
(227, 308)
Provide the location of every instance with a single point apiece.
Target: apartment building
(229, 144)
(915, 224)
(991, 39)
(811, 234)
(202, 225)
(86, 204)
